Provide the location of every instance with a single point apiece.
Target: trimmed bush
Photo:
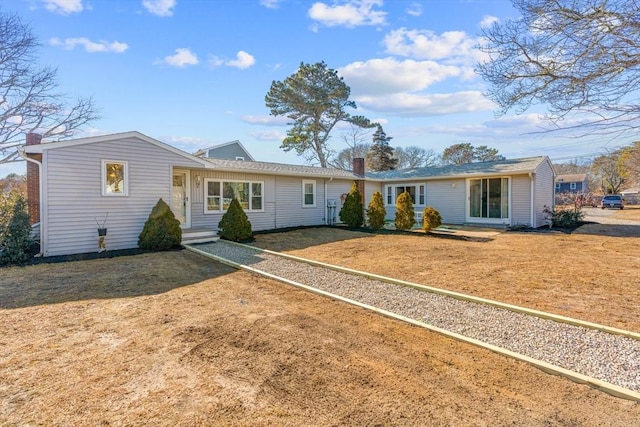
(565, 218)
(352, 212)
(376, 212)
(235, 225)
(431, 219)
(162, 230)
(405, 215)
(15, 230)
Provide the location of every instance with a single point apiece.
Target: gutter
(532, 214)
(41, 196)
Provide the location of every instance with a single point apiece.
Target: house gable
(233, 150)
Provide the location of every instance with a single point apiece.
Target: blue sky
(194, 73)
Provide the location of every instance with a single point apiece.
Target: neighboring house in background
(573, 183)
(233, 150)
(74, 185)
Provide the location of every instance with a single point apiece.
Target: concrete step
(199, 236)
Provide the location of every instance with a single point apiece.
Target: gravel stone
(611, 358)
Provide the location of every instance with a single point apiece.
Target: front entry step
(190, 236)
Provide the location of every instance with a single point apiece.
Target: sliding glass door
(489, 198)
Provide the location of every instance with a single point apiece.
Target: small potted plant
(102, 234)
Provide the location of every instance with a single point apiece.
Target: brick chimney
(358, 167)
(33, 180)
(358, 170)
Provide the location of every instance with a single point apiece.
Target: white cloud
(243, 60)
(350, 13)
(159, 7)
(270, 4)
(182, 58)
(409, 104)
(453, 46)
(415, 9)
(488, 21)
(269, 135)
(385, 76)
(89, 46)
(186, 143)
(64, 7)
(265, 120)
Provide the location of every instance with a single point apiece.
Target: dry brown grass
(175, 339)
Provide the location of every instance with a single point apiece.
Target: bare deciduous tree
(355, 137)
(28, 98)
(415, 157)
(607, 169)
(579, 58)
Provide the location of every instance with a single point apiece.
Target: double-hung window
(417, 193)
(115, 178)
(220, 193)
(308, 193)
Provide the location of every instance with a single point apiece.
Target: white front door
(180, 203)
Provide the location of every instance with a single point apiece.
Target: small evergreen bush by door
(162, 230)
(15, 230)
(235, 225)
(405, 215)
(376, 212)
(431, 219)
(352, 212)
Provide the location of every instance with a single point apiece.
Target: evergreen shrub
(162, 230)
(352, 212)
(376, 212)
(431, 219)
(15, 230)
(405, 215)
(235, 224)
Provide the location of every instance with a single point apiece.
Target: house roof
(39, 148)
(501, 167)
(278, 169)
(576, 177)
(204, 151)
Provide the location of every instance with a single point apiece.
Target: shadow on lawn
(611, 230)
(304, 237)
(129, 275)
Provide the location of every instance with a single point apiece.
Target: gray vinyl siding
(260, 220)
(335, 191)
(289, 210)
(230, 152)
(448, 198)
(521, 200)
(74, 200)
(544, 191)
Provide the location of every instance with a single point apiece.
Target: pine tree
(376, 212)
(380, 156)
(352, 211)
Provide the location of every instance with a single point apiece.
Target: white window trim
(573, 186)
(222, 181)
(313, 183)
(103, 178)
(393, 187)
(503, 221)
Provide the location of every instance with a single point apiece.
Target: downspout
(41, 197)
(326, 202)
(533, 210)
